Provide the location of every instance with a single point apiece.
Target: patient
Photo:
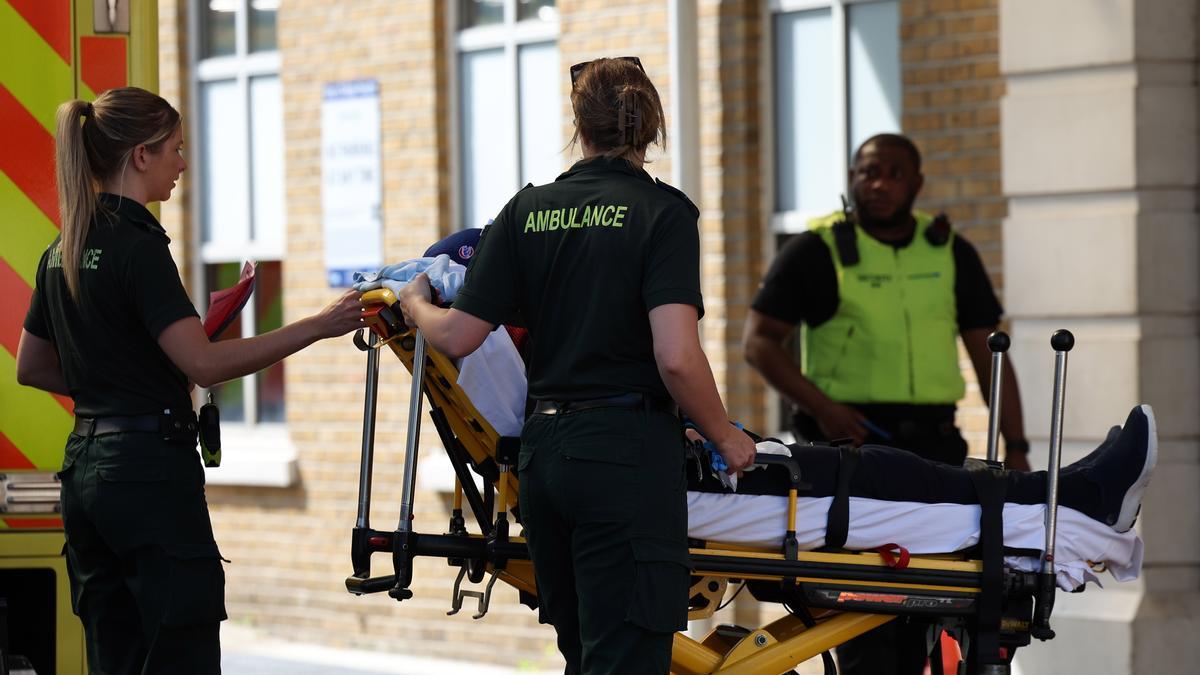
(1107, 485)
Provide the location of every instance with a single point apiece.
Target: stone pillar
(1100, 167)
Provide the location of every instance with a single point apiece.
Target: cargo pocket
(195, 585)
(660, 589)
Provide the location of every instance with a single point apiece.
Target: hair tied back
(629, 118)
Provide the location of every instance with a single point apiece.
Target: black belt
(634, 400)
(170, 426)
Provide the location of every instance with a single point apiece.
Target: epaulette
(938, 232)
(678, 193)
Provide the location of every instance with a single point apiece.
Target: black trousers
(605, 515)
(145, 573)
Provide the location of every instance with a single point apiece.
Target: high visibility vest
(894, 336)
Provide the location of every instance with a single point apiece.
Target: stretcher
(831, 596)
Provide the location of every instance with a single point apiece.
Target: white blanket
(761, 520)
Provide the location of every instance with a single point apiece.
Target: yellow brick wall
(733, 222)
(290, 547)
(952, 87)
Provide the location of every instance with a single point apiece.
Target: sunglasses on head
(579, 67)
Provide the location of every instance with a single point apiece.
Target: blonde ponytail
(93, 142)
(76, 188)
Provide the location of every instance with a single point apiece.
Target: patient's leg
(1106, 485)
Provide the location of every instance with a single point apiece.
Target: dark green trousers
(146, 576)
(603, 499)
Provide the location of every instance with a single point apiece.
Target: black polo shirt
(129, 291)
(580, 262)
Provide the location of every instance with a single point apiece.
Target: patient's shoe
(1121, 469)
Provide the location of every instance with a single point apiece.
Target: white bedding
(761, 520)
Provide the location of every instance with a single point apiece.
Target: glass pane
(874, 52)
(542, 10)
(541, 114)
(268, 308)
(805, 121)
(474, 13)
(223, 153)
(229, 396)
(488, 155)
(262, 25)
(266, 151)
(219, 33)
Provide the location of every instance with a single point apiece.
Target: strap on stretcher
(991, 488)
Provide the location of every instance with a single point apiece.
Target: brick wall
(952, 88)
(733, 222)
(290, 547)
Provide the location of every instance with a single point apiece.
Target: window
(240, 206)
(836, 84)
(509, 94)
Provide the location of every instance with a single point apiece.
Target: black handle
(998, 341)
(1062, 340)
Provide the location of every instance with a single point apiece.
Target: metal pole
(414, 432)
(998, 342)
(1062, 342)
(368, 439)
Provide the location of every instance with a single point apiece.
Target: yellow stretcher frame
(944, 588)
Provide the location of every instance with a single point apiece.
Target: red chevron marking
(51, 19)
(11, 457)
(102, 60)
(28, 158)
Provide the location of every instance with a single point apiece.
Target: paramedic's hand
(838, 421)
(417, 290)
(737, 449)
(341, 316)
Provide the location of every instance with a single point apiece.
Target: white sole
(1129, 507)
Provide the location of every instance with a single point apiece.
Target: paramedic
(109, 325)
(603, 267)
(883, 291)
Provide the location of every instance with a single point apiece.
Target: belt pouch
(210, 434)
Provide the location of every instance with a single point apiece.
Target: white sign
(351, 183)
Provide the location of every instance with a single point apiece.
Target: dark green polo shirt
(580, 262)
(129, 292)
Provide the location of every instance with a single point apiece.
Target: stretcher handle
(368, 434)
(786, 461)
(1062, 341)
(414, 434)
(998, 342)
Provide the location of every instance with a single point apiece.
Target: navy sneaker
(1121, 468)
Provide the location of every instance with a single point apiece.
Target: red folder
(225, 305)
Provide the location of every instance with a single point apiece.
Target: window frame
(509, 35)
(273, 462)
(794, 222)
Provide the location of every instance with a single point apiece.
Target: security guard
(110, 325)
(883, 292)
(603, 267)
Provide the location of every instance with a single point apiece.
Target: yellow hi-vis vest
(894, 336)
